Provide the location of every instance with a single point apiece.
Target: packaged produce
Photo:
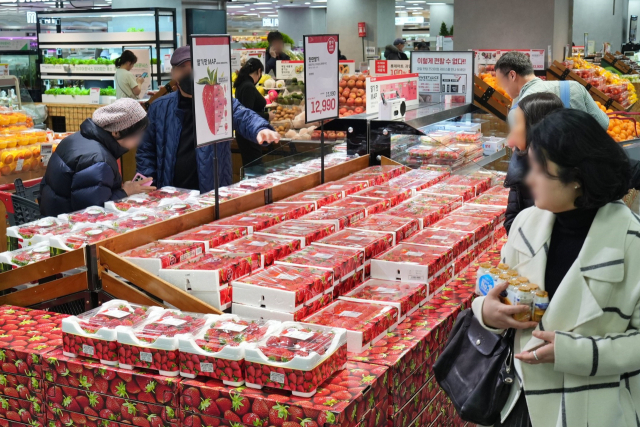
(458, 241)
(480, 182)
(154, 256)
(347, 188)
(523, 296)
(440, 137)
(267, 248)
(412, 184)
(498, 190)
(289, 210)
(84, 236)
(254, 184)
(467, 192)
(402, 228)
(480, 227)
(495, 213)
(93, 333)
(21, 236)
(251, 223)
(153, 344)
(491, 200)
(92, 214)
(299, 314)
(338, 218)
(370, 205)
(406, 297)
(138, 220)
(172, 192)
(370, 244)
(24, 256)
(468, 136)
(422, 152)
(132, 204)
(306, 231)
(449, 202)
(282, 287)
(217, 349)
(177, 208)
(341, 262)
(294, 350)
(27, 388)
(211, 235)
(365, 322)
(393, 194)
(425, 214)
(319, 198)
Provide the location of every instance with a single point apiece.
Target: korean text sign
(443, 73)
(321, 68)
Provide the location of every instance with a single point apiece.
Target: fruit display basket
(412, 263)
(81, 237)
(395, 195)
(251, 223)
(173, 193)
(406, 297)
(267, 248)
(154, 256)
(217, 350)
(480, 227)
(370, 205)
(282, 287)
(371, 244)
(92, 215)
(319, 198)
(347, 188)
(132, 204)
(458, 241)
(296, 357)
(24, 256)
(211, 235)
(289, 210)
(306, 232)
(153, 344)
(138, 220)
(339, 218)
(21, 236)
(401, 228)
(365, 322)
(448, 201)
(424, 213)
(94, 333)
(341, 262)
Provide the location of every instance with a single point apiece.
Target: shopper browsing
(275, 51)
(395, 52)
(84, 171)
(168, 151)
(580, 244)
(127, 85)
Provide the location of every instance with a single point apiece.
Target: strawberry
(208, 407)
(224, 404)
(113, 405)
(290, 424)
(214, 101)
(342, 395)
(155, 420)
(190, 397)
(13, 416)
(163, 393)
(295, 413)
(140, 421)
(260, 408)
(100, 385)
(128, 411)
(54, 394)
(278, 414)
(232, 417)
(240, 404)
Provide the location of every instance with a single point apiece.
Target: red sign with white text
(362, 29)
(381, 67)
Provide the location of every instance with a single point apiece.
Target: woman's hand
(266, 137)
(498, 315)
(137, 187)
(140, 80)
(545, 353)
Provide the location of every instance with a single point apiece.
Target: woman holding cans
(579, 365)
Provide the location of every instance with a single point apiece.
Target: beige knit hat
(120, 115)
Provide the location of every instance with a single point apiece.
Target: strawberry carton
(282, 287)
(410, 386)
(297, 315)
(154, 343)
(411, 410)
(131, 204)
(23, 411)
(172, 193)
(365, 323)
(177, 208)
(370, 244)
(395, 195)
(251, 223)
(217, 350)
(318, 198)
(346, 188)
(267, 248)
(406, 297)
(458, 241)
(84, 236)
(24, 256)
(448, 202)
(499, 200)
(370, 205)
(22, 387)
(309, 352)
(341, 262)
(93, 333)
(481, 183)
(138, 220)
(412, 184)
(289, 210)
(467, 192)
(479, 227)
(154, 256)
(498, 190)
(59, 417)
(85, 374)
(211, 235)
(65, 403)
(425, 214)
(495, 213)
(425, 173)
(305, 231)
(21, 236)
(91, 215)
(340, 218)
(349, 283)
(401, 228)
(6, 423)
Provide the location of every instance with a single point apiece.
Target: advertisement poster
(239, 57)
(347, 67)
(142, 68)
(444, 73)
(382, 67)
(320, 66)
(211, 59)
(289, 70)
(405, 85)
(485, 59)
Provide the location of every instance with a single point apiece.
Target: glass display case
(23, 66)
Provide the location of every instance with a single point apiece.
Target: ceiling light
(272, 16)
(319, 1)
(261, 2)
(263, 8)
(317, 7)
(436, 3)
(417, 1)
(234, 7)
(307, 2)
(398, 6)
(414, 8)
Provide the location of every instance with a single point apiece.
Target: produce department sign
(321, 68)
(443, 73)
(211, 60)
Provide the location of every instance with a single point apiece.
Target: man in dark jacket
(275, 51)
(168, 151)
(395, 52)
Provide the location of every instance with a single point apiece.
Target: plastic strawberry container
(481, 183)
(401, 228)
(295, 350)
(370, 205)
(211, 235)
(467, 192)
(20, 257)
(393, 194)
(297, 315)
(422, 153)
(366, 323)
(480, 227)
(498, 190)
(131, 204)
(406, 297)
(216, 350)
(289, 210)
(282, 287)
(340, 218)
(268, 249)
(458, 241)
(468, 136)
(424, 213)
(306, 232)
(497, 213)
(154, 256)
(84, 236)
(251, 223)
(370, 244)
(94, 333)
(492, 200)
(346, 188)
(177, 208)
(413, 184)
(422, 173)
(341, 262)
(21, 236)
(319, 198)
(449, 202)
(92, 215)
(138, 220)
(173, 192)
(412, 263)
(154, 344)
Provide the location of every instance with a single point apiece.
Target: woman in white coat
(580, 366)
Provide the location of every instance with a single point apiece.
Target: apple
(351, 83)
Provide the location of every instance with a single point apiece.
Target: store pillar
(297, 22)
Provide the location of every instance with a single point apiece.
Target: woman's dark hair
(138, 127)
(584, 153)
(535, 108)
(251, 66)
(127, 56)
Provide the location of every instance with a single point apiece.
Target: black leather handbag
(475, 370)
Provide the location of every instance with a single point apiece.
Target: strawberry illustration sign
(212, 88)
(321, 67)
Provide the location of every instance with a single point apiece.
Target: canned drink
(523, 296)
(540, 305)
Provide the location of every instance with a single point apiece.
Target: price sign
(94, 95)
(211, 60)
(287, 70)
(321, 68)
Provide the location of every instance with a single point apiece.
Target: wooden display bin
(489, 99)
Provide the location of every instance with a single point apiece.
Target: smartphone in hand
(140, 177)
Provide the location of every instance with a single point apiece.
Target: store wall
(297, 22)
(597, 18)
(148, 23)
(440, 13)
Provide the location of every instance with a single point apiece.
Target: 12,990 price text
(325, 105)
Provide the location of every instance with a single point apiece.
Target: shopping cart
(20, 205)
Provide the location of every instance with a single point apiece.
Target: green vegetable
(76, 61)
(73, 91)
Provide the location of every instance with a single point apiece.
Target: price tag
(412, 253)
(172, 321)
(94, 95)
(276, 377)
(295, 227)
(146, 357)
(335, 187)
(87, 349)
(298, 335)
(461, 223)
(205, 232)
(386, 290)
(230, 326)
(350, 314)
(321, 67)
(323, 256)
(356, 238)
(438, 237)
(45, 153)
(257, 243)
(19, 165)
(206, 367)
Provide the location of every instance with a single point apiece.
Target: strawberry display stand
(370, 205)
(340, 218)
(296, 357)
(394, 195)
(217, 350)
(406, 297)
(341, 262)
(267, 248)
(305, 231)
(318, 198)
(401, 228)
(365, 322)
(94, 332)
(154, 256)
(154, 343)
(24, 256)
(211, 235)
(21, 236)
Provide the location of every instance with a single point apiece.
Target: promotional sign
(4, 69)
(346, 67)
(320, 66)
(142, 68)
(405, 85)
(211, 61)
(382, 67)
(94, 95)
(239, 57)
(15, 44)
(577, 50)
(485, 59)
(289, 70)
(362, 29)
(370, 51)
(443, 73)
